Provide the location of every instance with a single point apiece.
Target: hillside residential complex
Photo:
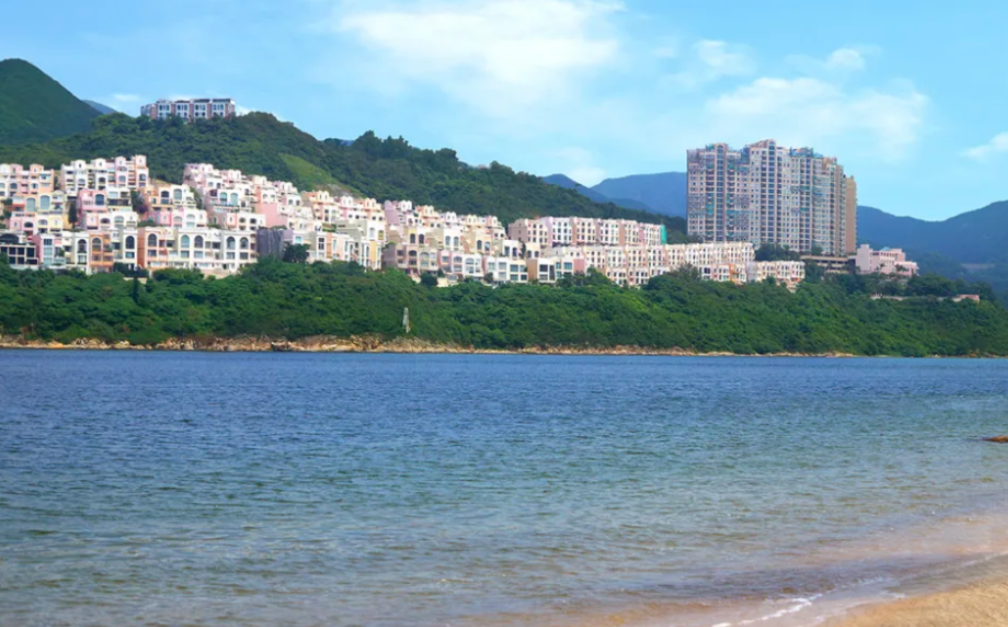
(769, 194)
(103, 214)
(190, 109)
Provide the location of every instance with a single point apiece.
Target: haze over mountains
(663, 193)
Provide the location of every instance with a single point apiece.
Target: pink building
(33, 180)
(191, 109)
(889, 261)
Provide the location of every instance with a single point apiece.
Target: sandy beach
(983, 604)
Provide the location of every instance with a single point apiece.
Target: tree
(428, 280)
(489, 278)
(774, 252)
(139, 202)
(814, 273)
(296, 253)
(72, 214)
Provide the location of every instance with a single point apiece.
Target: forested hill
(294, 301)
(34, 107)
(384, 169)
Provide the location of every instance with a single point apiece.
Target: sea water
(401, 490)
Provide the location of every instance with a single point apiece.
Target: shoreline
(367, 344)
(399, 345)
(982, 602)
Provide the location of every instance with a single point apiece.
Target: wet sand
(983, 604)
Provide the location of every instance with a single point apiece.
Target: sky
(911, 97)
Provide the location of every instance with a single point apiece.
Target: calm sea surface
(371, 490)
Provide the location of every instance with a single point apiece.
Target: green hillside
(384, 169)
(34, 107)
(293, 301)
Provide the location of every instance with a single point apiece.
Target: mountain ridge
(35, 107)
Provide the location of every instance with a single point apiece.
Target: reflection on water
(485, 490)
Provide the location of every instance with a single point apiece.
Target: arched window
(29, 204)
(178, 195)
(479, 244)
(119, 222)
(96, 244)
(165, 197)
(82, 246)
(230, 243)
(412, 238)
(198, 243)
(244, 243)
(105, 222)
(234, 198)
(152, 241)
(99, 200)
(130, 242)
(45, 201)
(422, 240)
(185, 241)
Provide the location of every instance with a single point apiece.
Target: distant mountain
(562, 180)
(34, 107)
(665, 193)
(972, 246)
(100, 108)
(975, 237)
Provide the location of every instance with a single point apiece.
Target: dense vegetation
(34, 107)
(293, 300)
(385, 169)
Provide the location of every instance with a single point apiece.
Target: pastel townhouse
(212, 251)
(329, 247)
(283, 209)
(506, 269)
(556, 264)
(50, 247)
(100, 174)
(33, 180)
(95, 207)
(790, 273)
(584, 231)
(173, 205)
(609, 232)
(32, 222)
(531, 232)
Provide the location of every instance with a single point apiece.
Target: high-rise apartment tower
(768, 194)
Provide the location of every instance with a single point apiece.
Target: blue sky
(912, 100)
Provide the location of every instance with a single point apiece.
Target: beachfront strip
(104, 214)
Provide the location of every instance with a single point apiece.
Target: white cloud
(126, 98)
(588, 176)
(806, 111)
(495, 54)
(580, 165)
(845, 59)
(998, 144)
(841, 62)
(713, 60)
(723, 59)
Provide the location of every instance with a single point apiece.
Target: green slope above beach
(292, 301)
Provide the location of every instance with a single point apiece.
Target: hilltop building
(888, 261)
(190, 109)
